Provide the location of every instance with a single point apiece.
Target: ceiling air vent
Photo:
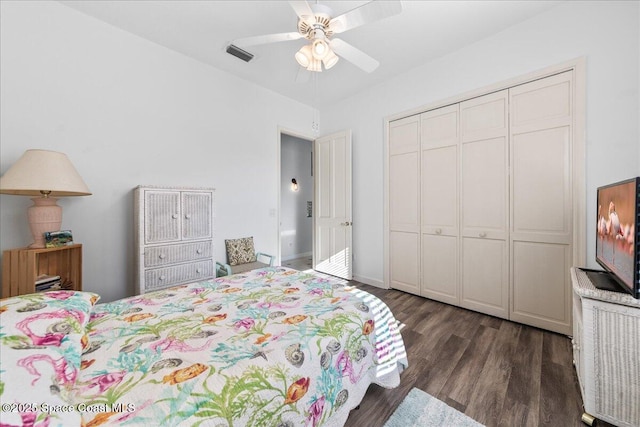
(239, 53)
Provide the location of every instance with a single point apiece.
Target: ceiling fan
(317, 24)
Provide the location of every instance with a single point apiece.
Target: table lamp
(48, 175)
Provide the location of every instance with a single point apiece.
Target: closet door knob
(198, 270)
(483, 234)
(162, 277)
(187, 216)
(438, 230)
(174, 216)
(199, 251)
(162, 256)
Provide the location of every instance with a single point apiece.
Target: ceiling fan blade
(302, 9)
(372, 11)
(269, 38)
(354, 55)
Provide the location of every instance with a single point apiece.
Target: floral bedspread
(272, 347)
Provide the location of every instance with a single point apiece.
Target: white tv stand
(606, 352)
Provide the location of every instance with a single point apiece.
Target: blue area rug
(420, 409)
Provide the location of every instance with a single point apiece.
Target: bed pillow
(240, 251)
(42, 336)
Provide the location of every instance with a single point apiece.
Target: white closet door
(485, 204)
(541, 234)
(404, 204)
(439, 190)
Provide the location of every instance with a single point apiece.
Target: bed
(272, 347)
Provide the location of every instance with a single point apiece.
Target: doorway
(296, 202)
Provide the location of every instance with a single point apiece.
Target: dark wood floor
(497, 372)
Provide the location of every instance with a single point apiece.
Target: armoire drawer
(170, 254)
(184, 273)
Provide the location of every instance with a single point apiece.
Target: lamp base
(45, 215)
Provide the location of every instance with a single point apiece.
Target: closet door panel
(439, 195)
(404, 264)
(541, 235)
(404, 204)
(440, 191)
(404, 135)
(439, 128)
(540, 188)
(440, 268)
(484, 117)
(538, 300)
(484, 188)
(404, 195)
(485, 204)
(485, 269)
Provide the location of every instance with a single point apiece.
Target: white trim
(578, 66)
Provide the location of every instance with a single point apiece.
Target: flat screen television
(618, 237)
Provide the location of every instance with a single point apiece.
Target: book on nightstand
(45, 282)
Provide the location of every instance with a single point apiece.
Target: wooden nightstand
(21, 267)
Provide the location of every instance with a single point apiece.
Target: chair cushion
(240, 251)
(243, 268)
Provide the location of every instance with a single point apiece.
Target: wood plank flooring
(497, 372)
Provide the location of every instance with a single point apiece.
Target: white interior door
(333, 220)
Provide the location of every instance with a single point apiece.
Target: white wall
(129, 112)
(606, 33)
(296, 229)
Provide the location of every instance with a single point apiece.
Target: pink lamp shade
(47, 174)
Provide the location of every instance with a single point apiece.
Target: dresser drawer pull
(483, 234)
(438, 230)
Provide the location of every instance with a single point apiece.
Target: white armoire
(173, 236)
(481, 199)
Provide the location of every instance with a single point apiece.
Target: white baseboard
(369, 281)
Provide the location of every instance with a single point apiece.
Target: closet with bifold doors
(481, 199)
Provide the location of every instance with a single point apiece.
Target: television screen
(616, 234)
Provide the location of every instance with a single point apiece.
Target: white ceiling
(423, 31)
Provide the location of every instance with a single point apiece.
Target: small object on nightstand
(55, 239)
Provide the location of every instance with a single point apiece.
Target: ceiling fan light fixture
(330, 60)
(304, 56)
(315, 65)
(319, 48)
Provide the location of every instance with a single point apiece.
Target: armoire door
(196, 215)
(163, 212)
(541, 216)
(485, 204)
(404, 204)
(439, 197)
